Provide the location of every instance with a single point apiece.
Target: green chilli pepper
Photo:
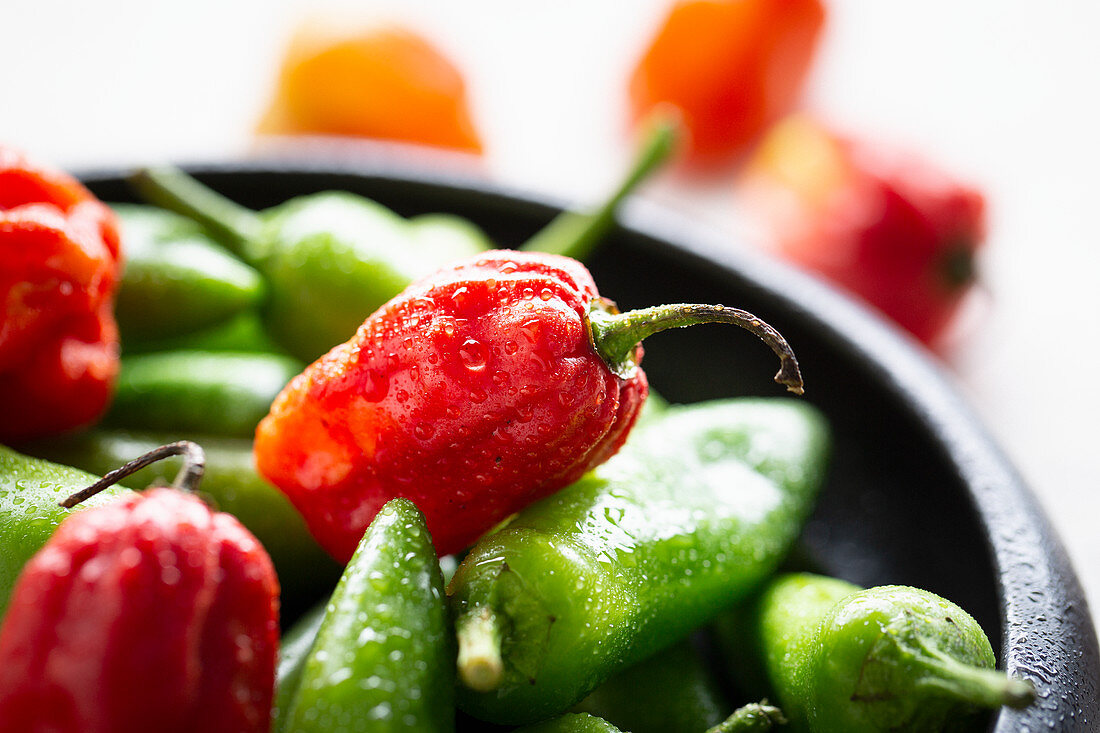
(294, 648)
(751, 718)
(244, 332)
(177, 280)
(383, 658)
(667, 692)
(694, 513)
(887, 658)
(30, 489)
(331, 259)
(306, 572)
(216, 393)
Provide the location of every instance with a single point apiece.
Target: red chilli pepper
(148, 613)
(473, 393)
(59, 269)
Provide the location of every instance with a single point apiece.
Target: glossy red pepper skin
(474, 392)
(59, 269)
(148, 613)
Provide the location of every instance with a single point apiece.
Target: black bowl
(919, 494)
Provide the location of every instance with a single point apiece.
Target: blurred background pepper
(385, 82)
(731, 67)
(59, 268)
(880, 222)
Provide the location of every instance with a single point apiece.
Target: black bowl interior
(918, 494)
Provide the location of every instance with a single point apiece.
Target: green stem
(480, 666)
(757, 716)
(171, 188)
(575, 234)
(987, 688)
(615, 335)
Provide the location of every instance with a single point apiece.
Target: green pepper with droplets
(306, 572)
(383, 657)
(331, 259)
(839, 658)
(694, 513)
(30, 489)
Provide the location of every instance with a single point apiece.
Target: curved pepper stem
(575, 234)
(170, 188)
(987, 688)
(188, 478)
(615, 335)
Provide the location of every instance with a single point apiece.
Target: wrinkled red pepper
(473, 393)
(148, 613)
(59, 269)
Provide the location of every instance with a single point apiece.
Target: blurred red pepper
(476, 391)
(731, 67)
(384, 82)
(59, 268)
(882, 223)
(150, 612)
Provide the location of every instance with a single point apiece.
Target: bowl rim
(1047, 631)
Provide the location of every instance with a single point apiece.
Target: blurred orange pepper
(731, 67)
(384, 83)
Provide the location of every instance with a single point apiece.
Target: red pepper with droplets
(59, 269)
(147, 613)
(476, 391)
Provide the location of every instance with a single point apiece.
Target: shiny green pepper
(843, 659)
(177, 280)
(331, 259)
(383, 658)
(694, 513)
(30, 490)
(306, 572)
(216, 393)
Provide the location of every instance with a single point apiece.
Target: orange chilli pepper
(384, 83)
(730, 67)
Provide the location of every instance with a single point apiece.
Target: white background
(1002, 93)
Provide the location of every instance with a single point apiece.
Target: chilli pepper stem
(988, 688)
(171, 188)
(480, 666)
(615, 335)
(188, 478)
(574, 234)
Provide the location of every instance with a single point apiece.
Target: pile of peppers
(469, 510)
